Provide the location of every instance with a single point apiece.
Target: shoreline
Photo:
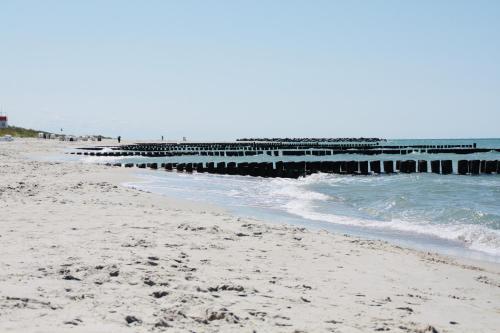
(405, 237)
(83, 252)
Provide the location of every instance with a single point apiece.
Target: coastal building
(3, 121)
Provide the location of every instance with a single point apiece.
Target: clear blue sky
(227, 69)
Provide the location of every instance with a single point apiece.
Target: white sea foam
(474, 237)
(462, 210)
(303, 203)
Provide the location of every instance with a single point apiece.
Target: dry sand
(80, 253)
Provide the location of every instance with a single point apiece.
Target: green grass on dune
(20, 132)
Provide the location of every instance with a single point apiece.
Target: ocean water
(453, 214)
(450, 214)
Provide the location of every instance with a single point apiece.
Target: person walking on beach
(119, 139)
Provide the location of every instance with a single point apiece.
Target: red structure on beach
(3, 121)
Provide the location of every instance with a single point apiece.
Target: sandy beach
(82, 253)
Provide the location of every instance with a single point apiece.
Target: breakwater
(297, 159)
(301, 169)
(238, 149)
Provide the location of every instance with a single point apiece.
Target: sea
(449, 214)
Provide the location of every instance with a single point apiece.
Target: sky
(220, 70)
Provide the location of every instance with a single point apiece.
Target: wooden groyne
(240, 149)
(300, 140)
(184, 146)
(238, 158)
(299, 169)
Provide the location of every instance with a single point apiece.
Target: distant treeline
(313, 139)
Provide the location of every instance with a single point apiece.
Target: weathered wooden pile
(299, 169)
(278, 152)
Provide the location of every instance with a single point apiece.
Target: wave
(306, 203)
(459, 209)
(475, 237)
